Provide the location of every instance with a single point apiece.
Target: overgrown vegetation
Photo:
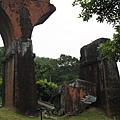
(52, 72)
(111, 49)
(91, 114)
(63, 69)
(44, 89)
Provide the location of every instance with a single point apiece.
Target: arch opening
(6, 29)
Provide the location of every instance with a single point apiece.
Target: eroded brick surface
(24, 15)
(17, 20)
(105, 74)
(74, 97)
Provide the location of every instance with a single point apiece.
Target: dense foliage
(65, 68)
(44, 89)
(56, 71)
(108, 10)
(111, 49)
(105, 10)
(44, 67)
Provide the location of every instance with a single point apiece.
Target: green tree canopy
(68, 67)
(105, 10)
(65, 68)
(111, 49)
(44, 67)
(108, 10)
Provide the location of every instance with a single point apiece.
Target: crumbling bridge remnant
(74, 97)
(98, 85)
(17, 20)
(96, 69)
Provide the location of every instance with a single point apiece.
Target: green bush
(44, 89)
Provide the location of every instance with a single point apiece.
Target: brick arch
(6, 29)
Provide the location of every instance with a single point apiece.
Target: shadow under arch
(6, 29)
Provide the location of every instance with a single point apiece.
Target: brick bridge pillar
(17, 20)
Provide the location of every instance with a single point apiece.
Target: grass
(91, 114)
(8, 114)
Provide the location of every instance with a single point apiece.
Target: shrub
(44, 89)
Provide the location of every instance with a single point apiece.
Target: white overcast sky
(65, 33)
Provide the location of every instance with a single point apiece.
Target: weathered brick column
(104, 72)
(17, 20)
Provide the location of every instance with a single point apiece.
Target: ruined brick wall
(89, 59)
(73, 98)
(79, 96)
(104, 73)
(17, 20)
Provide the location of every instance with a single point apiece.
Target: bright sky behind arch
(65, 33)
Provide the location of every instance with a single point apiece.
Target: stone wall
(103, 72)
(74, 97)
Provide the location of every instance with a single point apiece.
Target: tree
(108, 10)
(45, 89)
(68, 67)
(65, 68)
(111, 49)
(44, 67)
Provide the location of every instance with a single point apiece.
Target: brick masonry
(17, 20)
(103, 72)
